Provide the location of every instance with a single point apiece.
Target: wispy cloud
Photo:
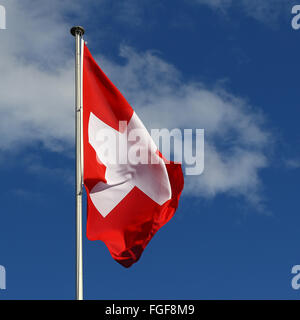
(262, 10)
(292, 163)
(236, 141)
(36, 87)
(36, 90)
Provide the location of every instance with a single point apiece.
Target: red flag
(127, 202)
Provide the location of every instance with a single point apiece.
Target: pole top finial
(77, 30)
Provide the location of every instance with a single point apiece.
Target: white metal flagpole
(78, 32)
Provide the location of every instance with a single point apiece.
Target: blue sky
(230, 67)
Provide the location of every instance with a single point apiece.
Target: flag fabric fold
(127, 202)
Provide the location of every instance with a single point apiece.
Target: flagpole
(78, 32)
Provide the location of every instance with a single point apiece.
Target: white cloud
(36, 86)
(37, 105)
(235, 138)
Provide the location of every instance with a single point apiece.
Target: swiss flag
(127, 203)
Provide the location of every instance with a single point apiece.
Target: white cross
(121, 178)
